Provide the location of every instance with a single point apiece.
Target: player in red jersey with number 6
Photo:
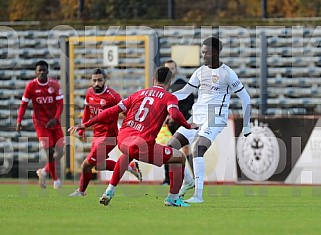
(146, 111)
(47, 101)
(99, 97)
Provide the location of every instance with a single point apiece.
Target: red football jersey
(45, 97)
(95, 104)
(146, 111)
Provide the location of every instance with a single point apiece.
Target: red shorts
(137, 148)
(50, 137)
(100, 148)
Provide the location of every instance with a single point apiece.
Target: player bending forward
(146, 111)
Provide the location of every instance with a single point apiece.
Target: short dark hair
(170, 61)
(100, 71)
(213, 42)
(42, 63)
(163, 75)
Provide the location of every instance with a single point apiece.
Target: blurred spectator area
(294, 66)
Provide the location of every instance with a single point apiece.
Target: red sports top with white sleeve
(47, 101)
(146, 111)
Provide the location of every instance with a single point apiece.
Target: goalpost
(129, 61)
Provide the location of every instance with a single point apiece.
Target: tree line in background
(189, 10)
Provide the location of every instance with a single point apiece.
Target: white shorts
(207, 130)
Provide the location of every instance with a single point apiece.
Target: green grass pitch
(139, 209)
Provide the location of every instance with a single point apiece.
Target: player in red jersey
(146, 111)
(98, 98)
(47, 101)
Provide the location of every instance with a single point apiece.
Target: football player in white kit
(215, 82)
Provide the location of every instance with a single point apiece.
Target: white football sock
(187, 176)
(111, 187)
(173, 196)
(199, 172)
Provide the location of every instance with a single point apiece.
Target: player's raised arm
(189, 88)
(184, 92)
(105, 116)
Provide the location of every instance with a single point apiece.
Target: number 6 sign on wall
(110, 55)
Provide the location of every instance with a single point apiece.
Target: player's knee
(60, 151)
(202, 144)
(175, 143)
(178, 157)
(86, 166)
(172, 143)
(183, 157)
(200, 150)
(58, 154)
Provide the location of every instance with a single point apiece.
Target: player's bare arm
(18, 127)
(185, 91)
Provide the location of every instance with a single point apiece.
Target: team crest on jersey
(167, 151)
(102, 102)
(50, 90)
(258, 154)
(215, 78)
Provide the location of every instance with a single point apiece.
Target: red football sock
(120, 168)
(52, 170)
(84, 181)
(176, 174)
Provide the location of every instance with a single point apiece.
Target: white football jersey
(215, 87)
